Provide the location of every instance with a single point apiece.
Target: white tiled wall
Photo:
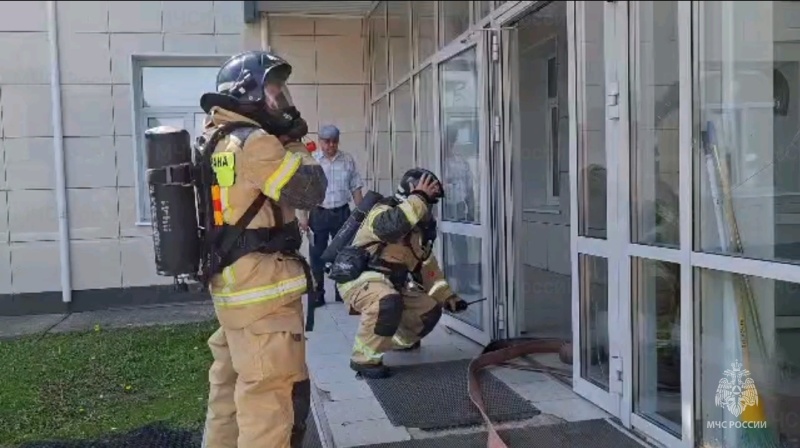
(96, 40)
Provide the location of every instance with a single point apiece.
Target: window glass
(591, 96)
(424, 29)
(460, 138)
(380, 49)
(402, 137)
(426, 139)
(748, 87)
(383, 146)
(748, 375)
(655, 124)
(399, 39)
(453, 20)
(177, 86)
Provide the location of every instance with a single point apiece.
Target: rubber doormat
(590, 433)
(434, 396)
(160, 436)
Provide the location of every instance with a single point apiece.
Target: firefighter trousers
(390, 319)
(259, 388)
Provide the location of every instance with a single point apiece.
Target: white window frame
(552, 145)
(141, 114)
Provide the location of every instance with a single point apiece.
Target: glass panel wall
(655, 131)
(654, 150)
(454, 19)
(424, 26)
(402, 137)
(591, 116)
(458, 87)
(383, 147)
(399, 40)
(747, 205)
(424, 135)
(379, 49)
(593, 275)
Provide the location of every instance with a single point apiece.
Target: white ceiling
(353, 8)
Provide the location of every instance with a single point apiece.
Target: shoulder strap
(230, 237)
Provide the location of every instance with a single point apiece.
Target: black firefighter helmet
(411, 178)
(253, 84)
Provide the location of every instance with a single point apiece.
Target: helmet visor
(277, 98)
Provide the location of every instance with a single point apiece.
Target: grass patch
(85, 385)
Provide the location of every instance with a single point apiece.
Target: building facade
(125, 67)
(620, 175)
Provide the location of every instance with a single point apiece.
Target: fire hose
(500, 353)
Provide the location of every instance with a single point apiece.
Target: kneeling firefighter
(248, 186)
(394, 244)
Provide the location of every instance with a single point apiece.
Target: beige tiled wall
(96, 40)
(329, 81)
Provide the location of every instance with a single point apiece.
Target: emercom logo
(736, 392)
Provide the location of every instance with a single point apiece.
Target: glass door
(655, 199)
(597, 103)
(463, 215)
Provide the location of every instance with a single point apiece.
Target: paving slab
(15, 326)
(137, 317)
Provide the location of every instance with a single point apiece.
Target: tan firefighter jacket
(398, 228)
(258, 284)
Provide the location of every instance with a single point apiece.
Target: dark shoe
(370, 371)
(415, 346)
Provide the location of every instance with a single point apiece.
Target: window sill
(143, 224)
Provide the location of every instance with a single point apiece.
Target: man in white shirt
(344, 185)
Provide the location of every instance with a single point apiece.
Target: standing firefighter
(393, 245)
(260, 392)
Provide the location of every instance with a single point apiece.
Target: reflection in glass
(453, 19)
(770, 355)
(460, 135)
(380, 49)
(462, 268)
(539, 106)
(594, 349)
(749, 124)
(426, 140)
(482, 9)
(655, 124)
(383, 146)
(657, 342)
(399, 40)
(539, 125)
(424, 24)
(177, 86)
(592, 187)
(402, 137)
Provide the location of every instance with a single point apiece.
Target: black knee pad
(301, 399)
(429, 320)
(390, 312)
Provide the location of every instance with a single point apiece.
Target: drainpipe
(265, 32)
(58, 155)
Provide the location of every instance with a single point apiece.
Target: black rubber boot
(370, 371)
(415, 346)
